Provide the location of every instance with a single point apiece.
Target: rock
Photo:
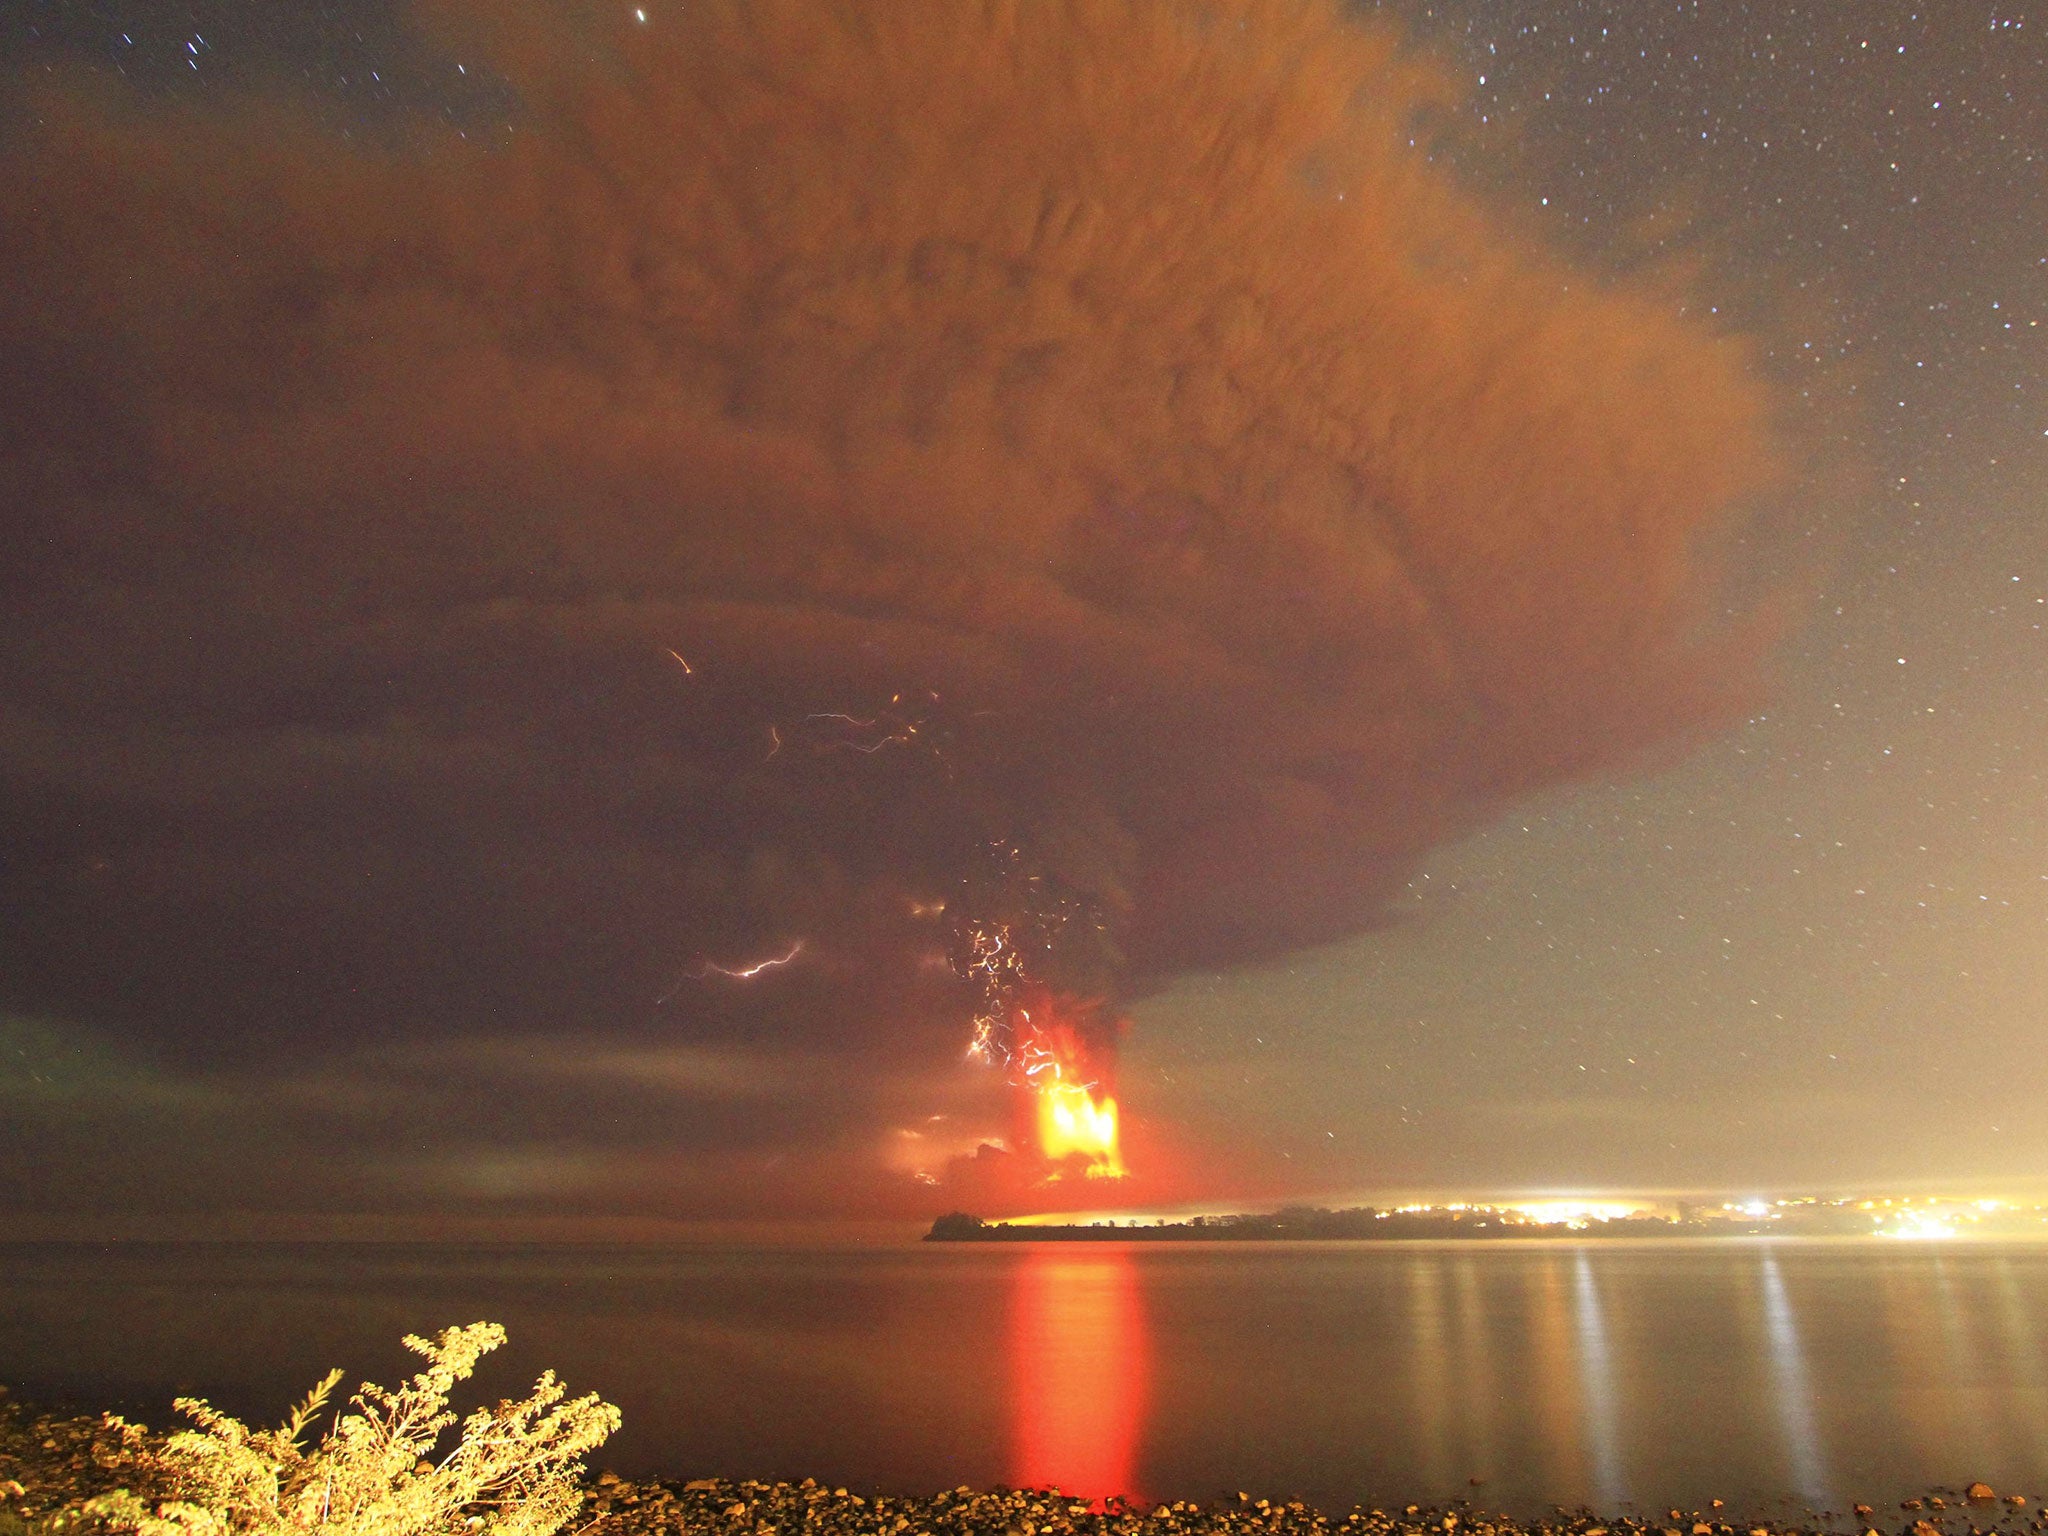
(1863, 1511)
(700, 1485)
(1926, 1528)
(1909, 1504)
(1979, 1493)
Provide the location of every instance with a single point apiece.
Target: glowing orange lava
(1077, 1119)
(1072, 1122)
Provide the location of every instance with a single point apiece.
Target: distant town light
(1575, 1213)
(1914, 1226)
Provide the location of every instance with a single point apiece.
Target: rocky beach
(52, 1461)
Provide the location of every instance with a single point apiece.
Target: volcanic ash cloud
(1259, 509)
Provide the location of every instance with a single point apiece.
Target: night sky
(1811, 956)
(1476, 576)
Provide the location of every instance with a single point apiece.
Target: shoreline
(51, 1458)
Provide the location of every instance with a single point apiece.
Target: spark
(688, 670)
(776, 737)
(749, 972)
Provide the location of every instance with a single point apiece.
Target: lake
(1777, 1375)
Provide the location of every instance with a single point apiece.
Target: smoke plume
(821, 470)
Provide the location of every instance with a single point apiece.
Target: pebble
(708, 1507)
(49, 1460)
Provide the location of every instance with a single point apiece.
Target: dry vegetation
(514, 1470)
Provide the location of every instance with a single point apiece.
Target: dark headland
(1365, 1223)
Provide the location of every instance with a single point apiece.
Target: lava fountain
(1049, 1046)
(1077, 1119)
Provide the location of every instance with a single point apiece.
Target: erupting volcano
(1054, 1048)
(786, 526)
(1077, 1119)
(1073, 1122)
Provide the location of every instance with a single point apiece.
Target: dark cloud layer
(1237, 508)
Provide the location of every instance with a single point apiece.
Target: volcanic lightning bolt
(749, 972)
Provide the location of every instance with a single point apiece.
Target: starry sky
(1810, 955)
(1786, 936)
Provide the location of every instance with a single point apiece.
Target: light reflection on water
(1596, 1377)
(1474, 1361)
(1522, 1375)
(1790, 1393)
(1078, 1370)
(2020, 1342)
(1429, 1374)
(1559, 1396)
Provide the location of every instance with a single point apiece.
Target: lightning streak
(997, 969)
(749, 972)
(897, 730)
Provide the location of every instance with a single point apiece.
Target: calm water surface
(1602, 1374)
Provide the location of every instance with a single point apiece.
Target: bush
(514, 1471)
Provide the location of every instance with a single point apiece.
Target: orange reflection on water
(1560, 1412)
(1078, 1370)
